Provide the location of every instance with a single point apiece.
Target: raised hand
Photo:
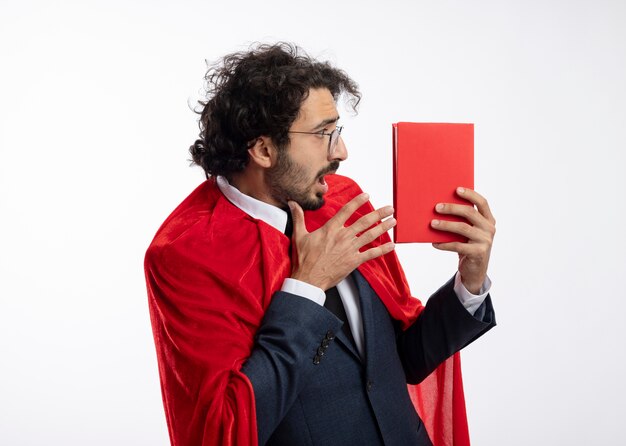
(473, 254)
(326, 256)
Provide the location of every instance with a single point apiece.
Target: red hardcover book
(430, 160)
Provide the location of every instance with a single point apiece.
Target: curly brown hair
(258, 92)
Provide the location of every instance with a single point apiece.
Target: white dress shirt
(276, 217)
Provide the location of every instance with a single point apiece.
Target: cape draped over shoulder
(211, 271)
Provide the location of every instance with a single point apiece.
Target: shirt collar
(270, 214)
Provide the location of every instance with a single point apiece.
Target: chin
(314, 203)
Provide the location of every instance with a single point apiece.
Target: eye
(322, 133)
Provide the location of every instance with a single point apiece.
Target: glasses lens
(334, 139)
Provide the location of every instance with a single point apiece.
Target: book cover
(430, 160)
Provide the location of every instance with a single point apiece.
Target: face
(299, 171)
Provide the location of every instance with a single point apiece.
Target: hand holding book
(479, 232)
(430, 162)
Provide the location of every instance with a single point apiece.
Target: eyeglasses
(332, 140)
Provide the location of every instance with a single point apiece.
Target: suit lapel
(347, 344)
(366, 296)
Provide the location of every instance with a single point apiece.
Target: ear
(262, 152)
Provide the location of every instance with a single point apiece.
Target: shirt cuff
(470, 301)
(305, 290)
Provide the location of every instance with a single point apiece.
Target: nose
(340, 153)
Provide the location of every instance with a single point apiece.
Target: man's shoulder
(207, 238)
(341, 188)
(342, 182)
(195, 223)
(192, 210)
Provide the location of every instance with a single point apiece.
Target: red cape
(211, 271)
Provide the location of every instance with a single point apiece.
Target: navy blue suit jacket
(312, 388)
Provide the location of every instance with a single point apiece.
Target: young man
(280, 312)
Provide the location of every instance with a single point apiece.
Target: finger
(348, 209)
(370, 219)
(478, 200)
(377, 251)
(297, 215)
(375, 232)
(458, 247)
(460, 228)
(467, 212)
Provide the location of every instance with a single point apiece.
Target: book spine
(394, 139)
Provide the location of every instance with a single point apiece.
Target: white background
(94, 130)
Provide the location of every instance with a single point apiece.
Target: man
(310, 337)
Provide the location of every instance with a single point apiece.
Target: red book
(430, 160)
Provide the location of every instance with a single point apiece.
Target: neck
(252, 183)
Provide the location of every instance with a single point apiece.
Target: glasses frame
(333, 139)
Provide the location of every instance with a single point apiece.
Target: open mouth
(329, 170)
(322, 178)
(322, 184)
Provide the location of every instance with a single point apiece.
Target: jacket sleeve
(442, 328)
(289, 344)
